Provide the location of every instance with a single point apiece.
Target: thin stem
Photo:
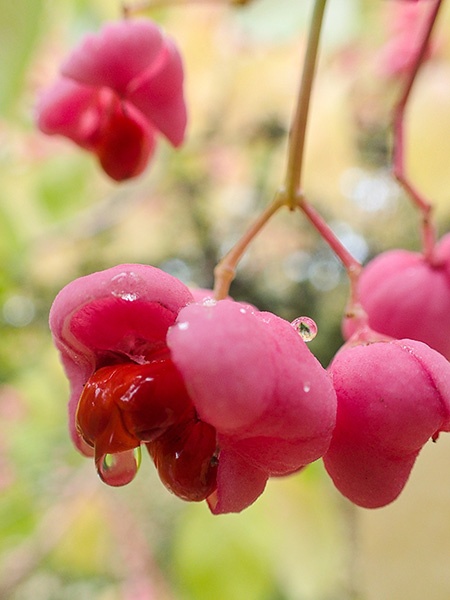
(290, 194)
(294, 196)
(398, 160)
(140, 564)
(352, 266)
(298, 129)
(226, 268)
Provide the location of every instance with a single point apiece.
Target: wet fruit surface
(185, 457)
(127, 404)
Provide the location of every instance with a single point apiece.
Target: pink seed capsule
(392, 398)
(406, 296)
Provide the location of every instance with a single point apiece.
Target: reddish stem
(398, 159)
(352, 266)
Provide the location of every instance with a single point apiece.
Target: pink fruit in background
(404, 295)
(117, 89)
(392, 398)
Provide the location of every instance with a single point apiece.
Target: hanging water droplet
(306, 328)
(120, 468)
(124, 285)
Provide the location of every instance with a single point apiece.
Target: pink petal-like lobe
(221, 351)
(114, 56)
(392, 398)
(252, 377)
(111, 316)
(158, 94)
(70, 109)
(406, 296)
(238, 484)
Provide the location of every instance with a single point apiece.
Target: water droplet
(125, 285)
(120, 468)
(306, 387)
(306, 328)
(208, 301)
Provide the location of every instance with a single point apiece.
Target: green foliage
(19, 32)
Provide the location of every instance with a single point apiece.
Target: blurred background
(64, 534)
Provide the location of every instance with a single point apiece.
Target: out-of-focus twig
(58, 519)
(142, 570)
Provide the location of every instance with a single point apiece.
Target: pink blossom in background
(392, 398)
(233, 394)
(404, 295)
(117, 89)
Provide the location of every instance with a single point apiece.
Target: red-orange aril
(186, 459)
(124, 147)
(126, 404)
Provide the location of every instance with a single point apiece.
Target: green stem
(293, 192)
(352, 266)
(298, 129)
(290, 195)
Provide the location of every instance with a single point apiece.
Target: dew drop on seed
(305, 327)
(120, 468)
